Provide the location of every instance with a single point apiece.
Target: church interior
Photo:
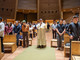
(27, 23)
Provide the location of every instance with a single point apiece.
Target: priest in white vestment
(41, 38)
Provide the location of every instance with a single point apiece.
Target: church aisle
(33, 53)
(59, 54)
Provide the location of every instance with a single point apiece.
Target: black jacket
(17, 29)
(74, 31)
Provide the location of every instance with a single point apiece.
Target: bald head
(16, 23)
(41, 20)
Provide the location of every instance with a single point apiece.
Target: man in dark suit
(74, 31)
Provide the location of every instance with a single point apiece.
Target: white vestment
(41, 34)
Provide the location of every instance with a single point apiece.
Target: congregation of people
(58, 29)
(15, 29)
(72, 29)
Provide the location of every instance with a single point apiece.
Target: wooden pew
(54, 41)
(10, 42)
(11, 20)
(49, 21)
(1, 54)
(75, 57)
(66, 48)
(30, 40)
(34, 22)
(75, 50)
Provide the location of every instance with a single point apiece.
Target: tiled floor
(59, 54)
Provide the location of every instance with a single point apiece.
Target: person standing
(60, 32)
(54, 30)
(64, 22)
(67, 26)
(2, 26)
(25, 29)
(31, 31)
(41, 35)
(48, 26)
(74, 31)
(17, 29)
(9, 29)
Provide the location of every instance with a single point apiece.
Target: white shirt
(30, 28)
(42, 26)
(2, 27)
(54, 26)
(33, 26)
(12, 25)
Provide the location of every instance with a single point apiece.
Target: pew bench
(75, 50)
(30, 40)
(10, 46)
(66, 44)
(21, 40)
(66, 50)
(54, 41)
(9, 43)
(75, 57)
